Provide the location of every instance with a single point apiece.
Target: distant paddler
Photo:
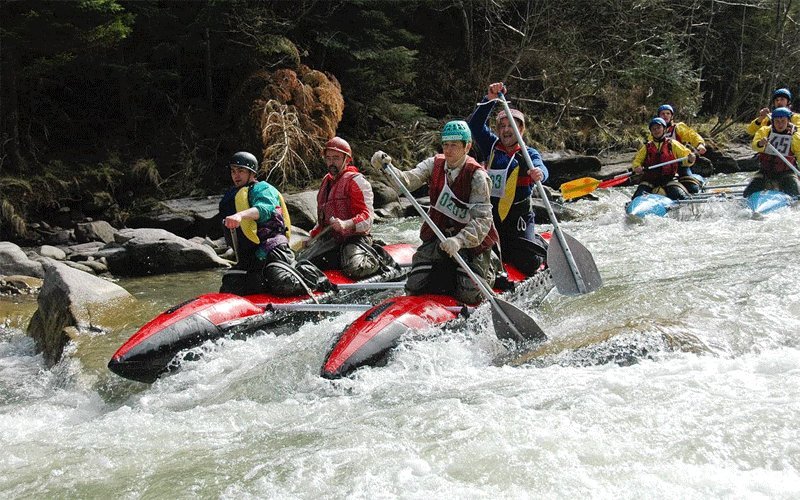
(781, 98)
(773, 172)
(686, 135)
(660, 161)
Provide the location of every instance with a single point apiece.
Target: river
(695, 394)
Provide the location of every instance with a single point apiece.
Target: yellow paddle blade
(508, 194)
(578, 187)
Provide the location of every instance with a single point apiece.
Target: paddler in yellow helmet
(257, 226)
(511, 182)
(460, 207)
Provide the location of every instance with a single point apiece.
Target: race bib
(451, 206)
(497, 179)
(781, 142)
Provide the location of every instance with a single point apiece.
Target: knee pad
(358, 262)
(692, 183)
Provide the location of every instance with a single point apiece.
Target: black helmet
(245, 160)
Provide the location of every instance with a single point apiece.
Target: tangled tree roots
(297, 113)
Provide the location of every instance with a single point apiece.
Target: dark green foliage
(155, 96)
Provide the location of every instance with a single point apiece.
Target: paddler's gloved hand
(341, 226)
(450, 246)
(379, 159)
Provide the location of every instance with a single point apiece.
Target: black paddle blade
(511, 323)
(562, 273)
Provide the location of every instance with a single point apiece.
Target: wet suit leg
(758, 183)
(522, 247)
(788, 183)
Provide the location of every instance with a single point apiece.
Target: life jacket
(671, 132)
(655, 154)
(335, 199)
(771, 164)
(253, 238)
(461, 189)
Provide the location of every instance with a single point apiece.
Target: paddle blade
(614, 181)
(578, 187)
(512, 323)
(565, 280)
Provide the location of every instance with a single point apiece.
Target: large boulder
(72, 303)
(185, 217)
(140, 252)
(98, 230)
(302, 209)
(14, 261)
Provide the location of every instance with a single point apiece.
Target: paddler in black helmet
(460, 207)
(257, 226)
(661, 149)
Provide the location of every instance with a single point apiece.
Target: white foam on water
(686, 384)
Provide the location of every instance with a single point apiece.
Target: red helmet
(340, 145)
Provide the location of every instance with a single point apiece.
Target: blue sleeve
(536, 159)
(482, 135)
(265, 198)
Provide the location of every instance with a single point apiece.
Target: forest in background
(110, 105)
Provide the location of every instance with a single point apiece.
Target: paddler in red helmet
(341, 239)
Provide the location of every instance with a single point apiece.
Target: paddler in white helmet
(460, 207)
(511, 182)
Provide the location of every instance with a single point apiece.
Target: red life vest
(656, 155)
(461, 187)
(337, 198)
(772, 164)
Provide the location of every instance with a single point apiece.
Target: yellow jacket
(678, 149)
(755, 125)
(764, 132)
(687, 134)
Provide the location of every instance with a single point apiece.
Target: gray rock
(391, 210)
(186, 217)
(19, 285)
(71, 302)
(302, 209)
(383, 194)
(94, 231)
(155, 251)
(80, 267)
(14, 261)
(52, 252)
(96, 266)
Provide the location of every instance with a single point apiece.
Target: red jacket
(348, 196)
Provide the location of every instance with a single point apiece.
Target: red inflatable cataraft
(156, 347)
(370, 338)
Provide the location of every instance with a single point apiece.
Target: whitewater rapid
(680, 378)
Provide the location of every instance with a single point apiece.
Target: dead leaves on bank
(297, 112)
